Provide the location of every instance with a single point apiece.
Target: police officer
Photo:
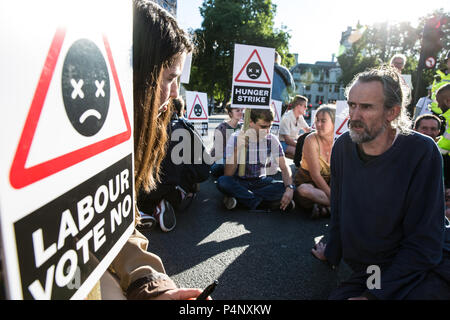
(441, 78)
(443, 99)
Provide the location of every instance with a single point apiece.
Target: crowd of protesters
(384, 184)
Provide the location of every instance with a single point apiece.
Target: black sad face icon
(85, 87)
(254, 70)
(197, 110)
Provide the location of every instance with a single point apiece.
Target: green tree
(382, 40)
(225, 23)
(377, 45)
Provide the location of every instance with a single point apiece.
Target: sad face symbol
(253, 70)
(85, 87)
(197, 110)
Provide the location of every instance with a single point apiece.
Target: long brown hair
(157, 42)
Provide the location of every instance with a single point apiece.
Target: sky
(316, 26)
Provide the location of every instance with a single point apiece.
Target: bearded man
(387, 199)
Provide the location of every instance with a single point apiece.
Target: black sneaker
(147, 221)
(165, 215)
(186, 199)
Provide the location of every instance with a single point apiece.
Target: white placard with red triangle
(313, 119)
(252, 76)
(276, 107)
(196, 106)
(186, 74)
(342, 117)
(253, 70)
(44, 155)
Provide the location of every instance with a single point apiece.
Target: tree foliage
(225, 23)
(382, 40)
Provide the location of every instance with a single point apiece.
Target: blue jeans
(251, 192)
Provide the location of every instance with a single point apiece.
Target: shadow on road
(253, 255)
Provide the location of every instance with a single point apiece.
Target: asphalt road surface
(264, 256)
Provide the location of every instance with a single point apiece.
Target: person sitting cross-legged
(221, 135)
(313, 175)
(254, 190)
(387, 199)
(291, 124)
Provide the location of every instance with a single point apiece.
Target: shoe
(315, 213)
(186, 199)
(147, 221)
(229, 202)
(165, 215)
(325, 212)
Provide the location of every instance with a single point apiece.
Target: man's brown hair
(298, 99)
(266, 115)
(427, 117)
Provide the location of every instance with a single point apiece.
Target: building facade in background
(318, 82)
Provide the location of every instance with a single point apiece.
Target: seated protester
(221, 136)
(178, 179)
(429, 125)
(178, 107)
(387, 199)
(255, 190)
(443, 100)
(135, 272)
(291, 124)
(313, 175)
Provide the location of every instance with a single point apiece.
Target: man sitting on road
(254, 189)
(429, 125)
(291, 124)
(387, 199)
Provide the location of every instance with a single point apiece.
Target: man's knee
(224, 183)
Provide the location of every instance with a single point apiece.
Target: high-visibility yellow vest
(444, 78)
(444, 141)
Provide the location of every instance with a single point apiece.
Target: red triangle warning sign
(19, 175)
(275, 110)
(198, 110)
(338, 131)
(255, 72)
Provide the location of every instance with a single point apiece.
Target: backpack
(299, 148)
(185, 174)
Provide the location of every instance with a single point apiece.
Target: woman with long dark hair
(159, 50)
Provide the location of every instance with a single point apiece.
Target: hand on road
(286, 199)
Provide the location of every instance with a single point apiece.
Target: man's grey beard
(365, 136)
